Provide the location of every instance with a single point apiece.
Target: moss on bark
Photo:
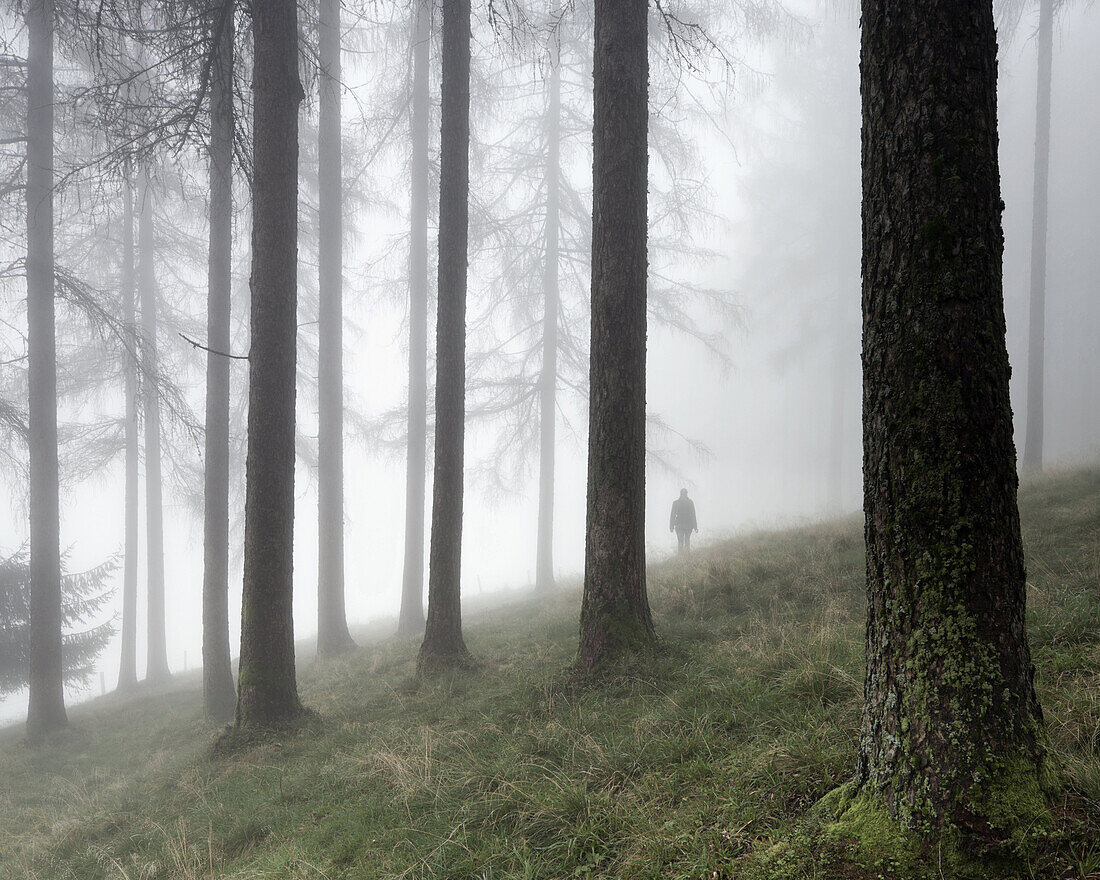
(850, 832)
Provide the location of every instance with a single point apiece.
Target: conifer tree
(46, 709)
(219, 695)
(267, 689)
(953, 739)
(615, 615)
(443, 643)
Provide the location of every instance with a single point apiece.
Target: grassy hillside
(683, 767)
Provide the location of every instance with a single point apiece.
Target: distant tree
(615, 615)
(218, 691)
(411, 618)
(1036, 348)
(46, 710)
(332, 627)
(96, 343)
(953, 738)
(800, 273)
(156, 668)
(443, 643)
(83, 595)
(127, 673)
(1009, 14)
(551, 283)
(267, 691)
(136, 104)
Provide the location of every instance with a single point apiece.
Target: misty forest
(549, 439)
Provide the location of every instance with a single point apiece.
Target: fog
(756, 410)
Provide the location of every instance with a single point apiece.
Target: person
(682, 521)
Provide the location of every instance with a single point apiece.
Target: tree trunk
(332, 627)
(548, 382)
(411, 620)
(1036, 348)
(267, 692)
(952, 733)
(156, 669)
(46, 707)
(615, 616)
(127, 670)
(443, 644)
(219, 694)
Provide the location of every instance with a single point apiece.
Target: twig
(236, 357)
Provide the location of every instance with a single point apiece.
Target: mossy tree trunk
(615, 615)
(411, 619)
(332, 626)
(443, 643)
(267, 690)
(1036, 348)
(218, 691)
(127, 667)
(46, 706)
(548, 381)
(156, 667)
(951, 717)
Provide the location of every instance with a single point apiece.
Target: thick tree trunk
(953, 732)
(218, 692)
(548, 381)
(127, 669)
(411, 620)
(46, 708)
(267, 690)
(615, 616)
(1036, 348)
(332, 627)
(156, 669)
(443, 644)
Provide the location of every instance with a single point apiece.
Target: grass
(689, 765)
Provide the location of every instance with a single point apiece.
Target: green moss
(627, 633)
(847, 833)
(851, 814)
(852, 827)
(1017, 802)
(627, 627)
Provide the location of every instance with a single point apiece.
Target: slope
(682, 766)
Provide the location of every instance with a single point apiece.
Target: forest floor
(690, 765)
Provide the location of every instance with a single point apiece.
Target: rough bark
(218, 691)
(548, 381)
(46, 706)
(332, 627)
(411, 619)
(156, 669)
(443, 644)
(1036, 348)
(127, 670)
(615, 615)
(267, 691)
(952, 732)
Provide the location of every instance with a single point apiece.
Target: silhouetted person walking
(682, 521)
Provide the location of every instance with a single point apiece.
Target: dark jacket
(683, 515)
